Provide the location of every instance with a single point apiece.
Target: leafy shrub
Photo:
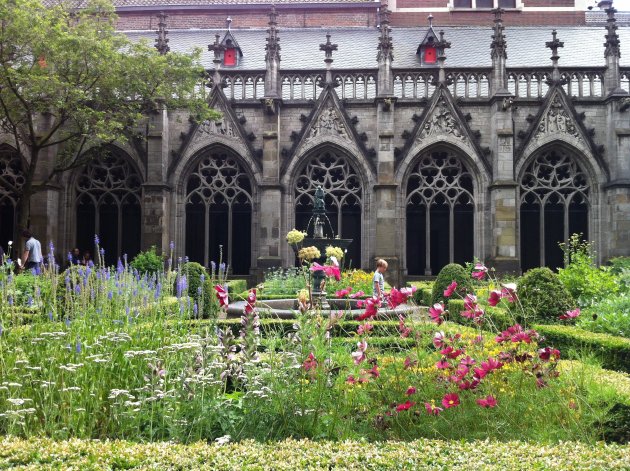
(543, 296)
(497, 317)
(609, 316)
(448, 274)
(358, 280)
(613, 352)
(237, 286)
(616, 426)
(585, 282)
(424, 292)
(193, 272)
(148, 261)
(286, 282)
(620, 267)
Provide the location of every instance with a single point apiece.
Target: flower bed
(292, 455)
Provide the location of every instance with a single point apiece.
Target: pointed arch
(107, 196)
(557, 196)
(11, 180)
(218, 196)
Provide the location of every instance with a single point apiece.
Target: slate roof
(470, 46)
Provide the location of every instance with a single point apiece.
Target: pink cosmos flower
(488, 402)
(495, 297)
(342, 293)
(222, 295)
(570, 314)
(438, 339)
(479, 272)
(431, 409)
(251, 301)
(450, 400)
(436, 312)
(360, 355)
(468, 385)
(310, 363)
(371, 309)
(405, 406)
(410, 390)
(443, 365)
(508, 291)
(448, 292)
(468, 361)
(491, 364)
(373, 372)
(409, 363)
(329, 270)
(470, 301)
(358, 294)
(402, 328)
(516, 334)
(395, 298)
(547, 353)
(364, 328)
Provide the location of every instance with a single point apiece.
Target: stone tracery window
(108, 193)
(440, 213)
(554, 203)
(343, 190)
(219, 212)
(11, 180)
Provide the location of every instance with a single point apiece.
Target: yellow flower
(336, 252)
(295, 236)
(309, 253)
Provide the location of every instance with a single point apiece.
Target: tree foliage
(69, 82)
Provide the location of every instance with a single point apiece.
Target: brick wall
(549, 3)
(250, 18)
(477, 18)
(421, 4)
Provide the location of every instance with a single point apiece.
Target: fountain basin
(287, 308)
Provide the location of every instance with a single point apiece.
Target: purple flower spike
(96, 239)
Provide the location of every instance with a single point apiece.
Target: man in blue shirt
(32, 257)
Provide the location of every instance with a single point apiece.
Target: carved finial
(161, 43)
(328, 49)
(273, 16)
(385, 45)
(554, 45)
(273, 40)
(612, 38)
(498, 45)
(228, 22)
(441, 46)
(217, 48)
(430, 18)
(385, 14)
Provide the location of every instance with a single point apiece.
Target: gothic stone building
(433, 144)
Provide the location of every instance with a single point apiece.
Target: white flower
(10, 243)
(225, 439)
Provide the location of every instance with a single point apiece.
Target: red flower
(436, 312)
(371, 309)
(342, 293)
(374, 372)
(409, 363)
(448, 292)
(402, 328)
(405, 406)
(545, 354)
(495, 297)
(479, 272)
(364, 328)
(222, 295)
(410, 390)
(464, 385)
(468, 361)
(450, 400)
(431, 409)
(570, 314)
(358, 294)
(443, 365)
(310, 363)
(251, 301)
(329, 270)
(488, 402)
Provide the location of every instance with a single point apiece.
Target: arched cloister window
(107, 203)
(440, 213)
(11, 180)
(219, 212)
(554, 203)
(332, 170)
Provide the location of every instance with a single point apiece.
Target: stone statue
(318, 205)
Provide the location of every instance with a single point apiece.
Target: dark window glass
(485, 3)
(462, 3)
(507, 3)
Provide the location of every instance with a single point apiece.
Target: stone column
(155, 191)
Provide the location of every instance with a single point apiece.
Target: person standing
(32, 257)
(378, 282)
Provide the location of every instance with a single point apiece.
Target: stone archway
(11, 180)
(440, 212)
(554, 197)
(108, 203)
(344, 197)
(219, 206)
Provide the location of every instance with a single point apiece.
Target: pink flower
(495, 298)
(395, 298)
(371, 309)
(468, 361)
(468, 385)
(222, 295)
(479, 272)
(438, 339)
(405, 406)
(374, 372)
(450, 400)
(436, 312)
(443, 365)
(488, 402)
(402, 328)
(360, 355)
(508, 291)
(470, 301)
(358, 294)
(342, 293)
(310, 363)
(431, 409)
(251, 301)
(364, 328)
(570, 314)
(329, 270)
(350, 380)
(448, 292)
(516, 334)
(410, 390)
(490, 365)
(547, 353)
(409, 363)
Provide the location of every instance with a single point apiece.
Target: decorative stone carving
(11, 176)
(329, 124)
(441, 122)
(219, 179)
(557, 121)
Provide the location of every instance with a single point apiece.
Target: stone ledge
(499, 184)
(622, 183)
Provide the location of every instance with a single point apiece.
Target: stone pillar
(155, 191)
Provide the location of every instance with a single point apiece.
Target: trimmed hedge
(290, 454)
(237, 286)
(424, 293)
(500, 318)
(613, 352)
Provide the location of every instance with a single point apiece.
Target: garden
(137, 366)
